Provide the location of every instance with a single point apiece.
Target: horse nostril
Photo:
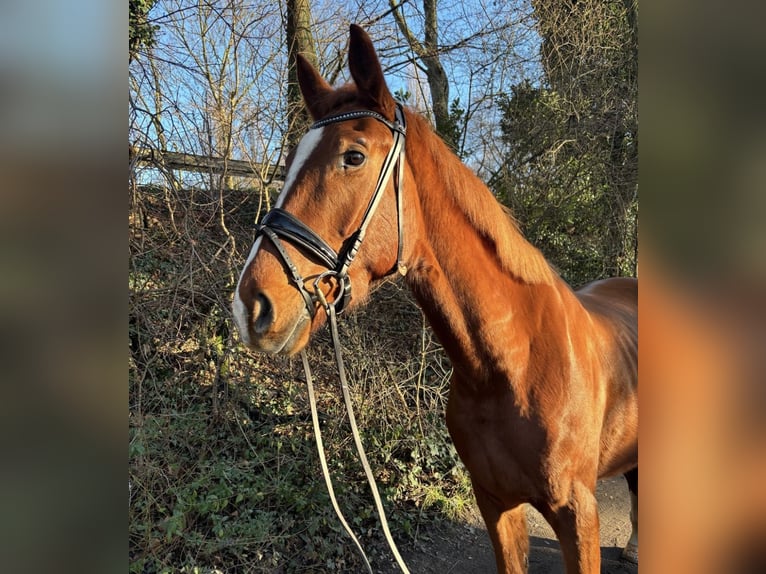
(263, 314)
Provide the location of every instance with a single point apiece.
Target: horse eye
(353, 158)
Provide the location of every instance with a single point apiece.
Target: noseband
(279, 225)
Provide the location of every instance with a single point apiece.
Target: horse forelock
(336, 100)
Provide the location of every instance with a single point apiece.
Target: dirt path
(465, 548)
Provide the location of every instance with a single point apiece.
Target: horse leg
(576, 525)
(508, 532)
(630, 552)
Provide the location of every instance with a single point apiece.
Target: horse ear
(314, 87)
(367, 74)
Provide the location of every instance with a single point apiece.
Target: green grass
(241, 487)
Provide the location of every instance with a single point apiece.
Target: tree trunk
(437, 77)
(299, 41)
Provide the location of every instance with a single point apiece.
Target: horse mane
(493, 221)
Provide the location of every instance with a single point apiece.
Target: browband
(396, 126)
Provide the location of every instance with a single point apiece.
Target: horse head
(334, 228)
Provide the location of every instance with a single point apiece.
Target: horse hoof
(630, 553)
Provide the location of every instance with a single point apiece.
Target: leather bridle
(280, 225)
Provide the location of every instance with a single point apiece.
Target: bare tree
(428, 53)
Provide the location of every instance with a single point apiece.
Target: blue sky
(476, 71)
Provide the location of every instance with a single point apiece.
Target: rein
(279, 225)
(357, 442)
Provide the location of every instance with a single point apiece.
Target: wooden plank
(205, 164)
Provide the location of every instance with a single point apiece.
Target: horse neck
(484, 288)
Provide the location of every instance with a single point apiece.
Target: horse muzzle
(268, 329)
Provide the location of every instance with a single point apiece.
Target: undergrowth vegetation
(223, 468)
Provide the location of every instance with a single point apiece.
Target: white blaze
(306, 146)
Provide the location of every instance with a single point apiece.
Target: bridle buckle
(344, 291)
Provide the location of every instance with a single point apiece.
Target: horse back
(614, 303)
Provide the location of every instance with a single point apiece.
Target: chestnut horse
(543, 399)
